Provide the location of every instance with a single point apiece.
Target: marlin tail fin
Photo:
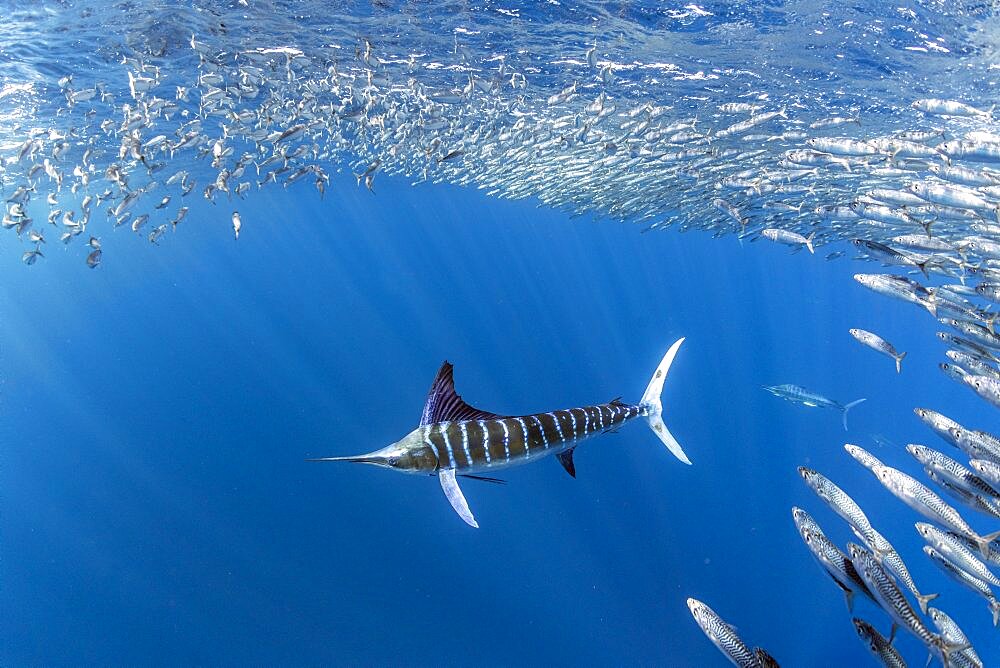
(651, 401)
(849, 407)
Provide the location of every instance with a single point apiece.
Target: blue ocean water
(158, 411)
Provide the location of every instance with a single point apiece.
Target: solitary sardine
(878, 344)
(882, 649)
(800, 395)
(722, 635)
(951, 632)
(862, 456)
(455, 439)
(789, 238)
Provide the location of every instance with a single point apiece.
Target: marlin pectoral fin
(566, 459)
(454, 493)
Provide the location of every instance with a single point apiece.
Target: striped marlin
(454, 439)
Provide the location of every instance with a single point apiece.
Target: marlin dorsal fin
(445, 405)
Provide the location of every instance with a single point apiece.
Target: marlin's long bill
(455, 439)
(359, 459)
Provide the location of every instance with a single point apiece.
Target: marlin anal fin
(455, 497)
(445, 405)
(566, 459)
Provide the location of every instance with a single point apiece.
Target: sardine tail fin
(984, 543)
(924, 599)
(654, 408)
(995, 609)
(899, 362)
(849, 407)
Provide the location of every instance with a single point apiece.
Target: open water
(157, 408)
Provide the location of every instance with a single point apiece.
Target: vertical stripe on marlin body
(454, 439)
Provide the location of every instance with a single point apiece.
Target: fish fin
(849, 596)
(995, 609)
(984, 543)
(764, 658)
(949, 648)
(651, 402)
(860, 536)
(923, 600)
(445, 405)
(809, 241)
(484, 478)
(566, 459)
(455, 497)
(849, 407)
(892, 632)
(899, 362)
(930, 304)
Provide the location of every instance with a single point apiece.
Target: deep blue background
(157, 412)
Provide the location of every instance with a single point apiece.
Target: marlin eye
(392, 461)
